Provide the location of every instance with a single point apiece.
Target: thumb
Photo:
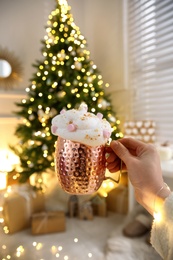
(121, 151)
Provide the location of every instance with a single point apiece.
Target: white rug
(123, 248)
(98, 239)
(120, 247)
(82, 240)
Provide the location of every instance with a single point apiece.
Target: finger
(131, 143)
(108, 149)
(121, 151)
(111, 157)
(113, 168)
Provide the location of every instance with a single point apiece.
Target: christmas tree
(64, 78)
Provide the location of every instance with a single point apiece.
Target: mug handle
(112, 179)
(119, 176)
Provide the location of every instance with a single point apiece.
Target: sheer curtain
(150, 45)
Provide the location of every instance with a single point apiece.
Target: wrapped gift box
(19, 206)
(99, 206)
(48, 222)
(117, 200)
(85, 211)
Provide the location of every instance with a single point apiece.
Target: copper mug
(80, 168)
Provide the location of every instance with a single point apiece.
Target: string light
(54, 249)
(19, 251)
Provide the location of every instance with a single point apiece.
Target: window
(150, 42)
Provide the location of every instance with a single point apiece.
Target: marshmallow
(82, 126)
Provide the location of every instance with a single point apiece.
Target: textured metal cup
(80, 168)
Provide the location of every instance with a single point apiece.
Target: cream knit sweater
(162, 230)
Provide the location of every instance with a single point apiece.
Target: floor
(83, 239)
(97, 239)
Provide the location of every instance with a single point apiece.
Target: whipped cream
(79, 125)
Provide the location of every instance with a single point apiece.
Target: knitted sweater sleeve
(162, 230)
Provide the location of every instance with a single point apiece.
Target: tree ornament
(63, 81)
(89, 79)
(61, 55)
(73, 53)
(30, 165)
(61, 94)
(48, 82)
(78, 65)
(31, 117)
(44, 147)
(75, 82)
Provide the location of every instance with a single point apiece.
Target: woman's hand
(142, 163)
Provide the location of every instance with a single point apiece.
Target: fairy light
(6, 230)
(30, 111)
(54, 249)
(76, 240)
(37, 133)
(55, 84)
(60, 73)
(19, 251)
(27, 89)
(157, 217)
(9, 189)
(100, 82)
(39, 245)
(38, 74)
(1, 220)
(68, 84)
(4, 247)
(90, 255)
(34, 243)
(52, 164)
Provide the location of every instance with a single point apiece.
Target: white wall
(22, 27)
